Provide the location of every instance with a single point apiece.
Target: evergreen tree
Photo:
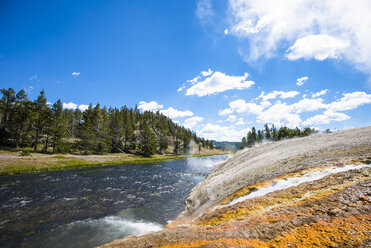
(163, 144)
(244, 142)
(6, 106)
(22, 115)
(147, 146)
(260, 136)
(250, 141)
(94, 130)
(267, 132)
(58, 126)
(176, 147)
(274, 133)
(48, 129)
(40, 116)
(254, 135)
(128, 139)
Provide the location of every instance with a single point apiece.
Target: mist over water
(90, 207)
(204, 164)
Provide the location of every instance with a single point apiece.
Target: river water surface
(90, 207)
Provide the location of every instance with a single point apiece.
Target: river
(93, 206)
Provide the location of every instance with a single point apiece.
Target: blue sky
(218, 67)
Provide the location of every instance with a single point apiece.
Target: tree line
(51, 128)
(273, 134)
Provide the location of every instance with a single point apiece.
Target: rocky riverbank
(311, 191)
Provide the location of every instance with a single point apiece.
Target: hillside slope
(301, 192)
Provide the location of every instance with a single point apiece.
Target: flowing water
(90, 207)
(295, 181)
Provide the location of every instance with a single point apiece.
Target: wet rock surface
(334, 211)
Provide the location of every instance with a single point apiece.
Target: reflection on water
(89, 207)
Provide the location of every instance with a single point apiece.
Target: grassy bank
(12, 162)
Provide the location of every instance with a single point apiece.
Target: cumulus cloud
(181, 88)
(69, 105)
(319, 47)
(242, 107)
(350, 101)
(282, 113)
(320, 93)
(305, 29)
(325, 118)
(206, 73)
(174, 113)
(192, 122)
(217, 82)
(301, 81)
(289, 94)
(274, 94)
(170, 112)
(307, 105)
(149, 106)
(232, 118)
(222, 133)
(240, 122)
(75, 74)
(83, 107)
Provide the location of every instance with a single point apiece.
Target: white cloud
(232, 118)
(173, 113)
(218, 82)
(69, 105)
(301, 81)
(242, 107)
(149, 106)
(289, 114)
(206, 73)
(204, 11)
(76, 74)
(289, 94)
(83, 107)
(240, 122)
(280, 114)
(192, 122)
(350, 101)
(320, 93)
(222, 133)
(308, 28)
(265, 104)
(307, 105)
(319, 47)
(181, 88)
(274, 94)
(194, 80)
(325, 118)
(74, 106)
